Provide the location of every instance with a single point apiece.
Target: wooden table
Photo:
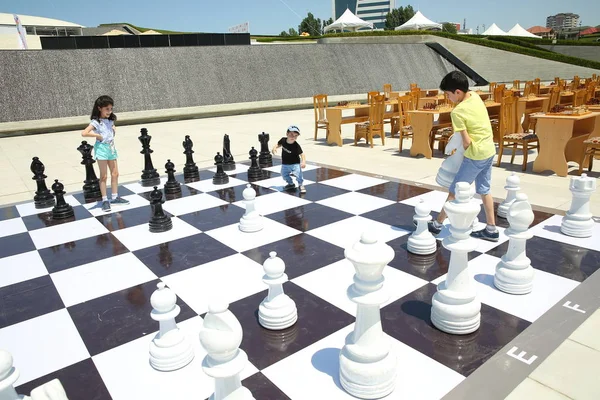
(561, 140)
(529, 103)
(361, 114)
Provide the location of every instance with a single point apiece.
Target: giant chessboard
(75, 294)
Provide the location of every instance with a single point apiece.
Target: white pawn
(578, 220)
(512, 187)
(451, 165)
(455, 307)
(277, 311)
(170, 349)
(514, 273)
(8, 376)
(221, 336)
(421, 241)
(251, 221)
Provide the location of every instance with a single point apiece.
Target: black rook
(265, 159)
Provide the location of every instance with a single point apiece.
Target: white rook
(514, 273)
(455, 307)
(578, 220)
(512, 187)
(450, 165)
(367, 365)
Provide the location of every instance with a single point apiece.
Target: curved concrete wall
(64, 83)
(585, 52)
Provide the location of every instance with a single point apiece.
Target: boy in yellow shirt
(471, 119)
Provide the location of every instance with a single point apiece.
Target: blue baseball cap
(293, 128)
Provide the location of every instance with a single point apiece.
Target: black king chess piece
(62, 210)
(228, 161)
(190, 171)
(254, 172)
(149, 175)
(220, 177)
(43, 197)
(172, 187)
(91, 185)
(160, 222)
(265, 159)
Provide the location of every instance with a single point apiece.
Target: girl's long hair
(100, 102)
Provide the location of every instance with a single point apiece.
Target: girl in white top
(102, 127)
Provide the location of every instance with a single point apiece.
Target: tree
(311, 25)
(398, 16)
(290, 32)
(449, 27)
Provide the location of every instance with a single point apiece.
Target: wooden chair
(387, 90)
(401, 122)
(374, 126)
(524, 141)
(320, 105)
(591, 146)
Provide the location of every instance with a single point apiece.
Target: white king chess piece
(455, 307)
(421, 241)
(578, 220)
(514, 273)
(367, 364)
(251, 221)
(170, 349)
(512, 187)
(221, 336)
(277, 311)
(451, 165)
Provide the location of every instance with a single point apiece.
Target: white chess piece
(277, 311)
(221, 336)
(455, 307)
(251, 221)
(170, 349)
(421, 241)
(578, 220)
(512, 187)
(367, 364)
(52, 390)
(451, 165)
(514, 273)
(8, 376)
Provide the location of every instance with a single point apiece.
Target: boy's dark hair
(100, 102)
(455, 80)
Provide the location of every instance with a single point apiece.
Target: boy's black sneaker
(486, 235)
(291, 186)
(432, 228)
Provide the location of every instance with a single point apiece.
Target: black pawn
(265, 159)
(190, 171)
(149, 175)
(220, 177)
(91, 185)
(171, 186)
(228, 161)
(62, 210)
(160, 222)
(43, 197)
(254, 172)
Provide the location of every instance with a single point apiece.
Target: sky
(270, 17)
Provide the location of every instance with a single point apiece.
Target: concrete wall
(492, 64)
(64, 83)
(10, 41)
(586, 52)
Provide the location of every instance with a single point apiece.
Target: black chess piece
(62, 209)
(228, 161)
(160, 222)
(43, 197)
(190, 171)
(220, 177)
(265, 159)
(254, 172)
(172, 187)
(149, 175)
(91, 185)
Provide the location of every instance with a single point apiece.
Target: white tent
(494, 31)
(418, 21)
(518, 30)
(348, 21)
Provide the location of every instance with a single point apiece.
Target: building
(544, 33)
(373, 11)
(35, 27)
(562, 21)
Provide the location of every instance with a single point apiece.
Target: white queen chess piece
(421, 241)
(451, 165)
(221, 336)
(277, 311)
(512, 187)
(578, 220)
(455, 307)
(251, 221)
(367, 364)
(514, 273)
(170, 349)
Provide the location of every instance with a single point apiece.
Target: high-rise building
(562, 21)
(373, 11)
